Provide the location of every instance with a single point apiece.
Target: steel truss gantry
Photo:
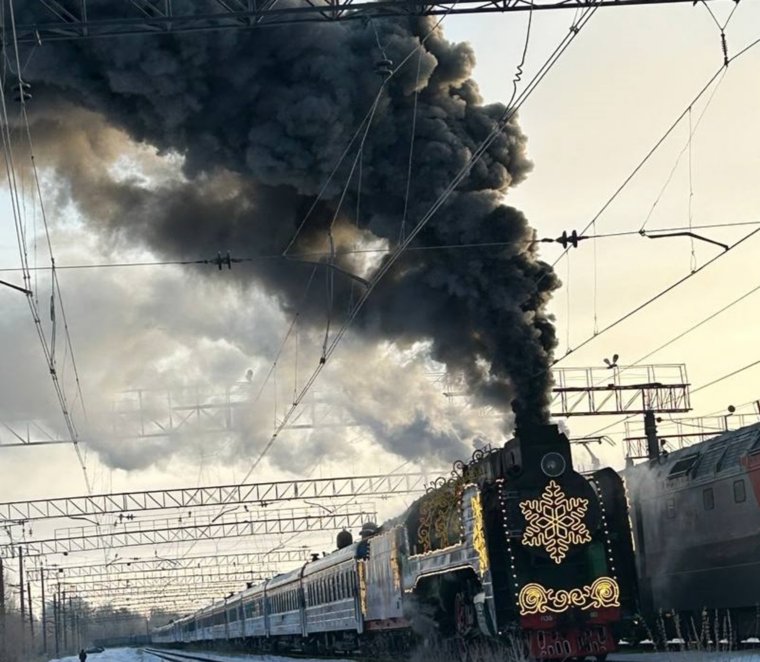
(157, 607)
(602, 391)
(213, 591)
(144, 533)
(256, 494)
(680, 433)
(161, 413)
(577, 392)
(135, 584)
(55, 20)
(173, 565)
(620, 390)
(182, 577)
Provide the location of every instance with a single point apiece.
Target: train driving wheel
(464, 615)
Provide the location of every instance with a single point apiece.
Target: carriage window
(708, 498)
(740, 493)
(670, 508)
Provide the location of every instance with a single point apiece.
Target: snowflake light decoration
(555, 522)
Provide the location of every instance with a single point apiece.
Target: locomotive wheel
(461, 649)
(464, 615)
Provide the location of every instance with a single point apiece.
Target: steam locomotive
(696, 514)
(514, 546)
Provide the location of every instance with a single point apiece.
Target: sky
(629, 74)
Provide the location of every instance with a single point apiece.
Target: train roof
(331, 559)
(284, 578)
(723, 452)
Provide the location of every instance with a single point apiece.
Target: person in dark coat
(82, 655)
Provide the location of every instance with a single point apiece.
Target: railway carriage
(331, 594)
(284, 601)
(254, 612)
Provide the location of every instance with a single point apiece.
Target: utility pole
(44, 612)
(62, 611)
(57, 619)
(650, 430)
(72, 619)
(31, 613)
(21, 586)
(2, 609)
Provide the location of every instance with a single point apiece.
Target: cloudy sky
(192, 333)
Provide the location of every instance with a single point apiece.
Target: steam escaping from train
(259, 119)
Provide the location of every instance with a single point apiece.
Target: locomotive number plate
(553, 644)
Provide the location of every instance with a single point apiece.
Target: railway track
(181, 656)
(176, 656)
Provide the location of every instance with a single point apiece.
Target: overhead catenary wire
(294, 258)
(365, 120)
(48, 351)
(506, 116)
(728, 375)
(656, 297)
(657, 145)
(686, 147)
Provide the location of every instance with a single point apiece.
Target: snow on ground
(688, 656)
(138, 655)
(231, 657)
(113, 655)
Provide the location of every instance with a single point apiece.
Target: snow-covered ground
(138, 655)
(689, 656)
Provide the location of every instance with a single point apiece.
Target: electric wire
(686, 147)
(506, 116)
(656, 146)
(359, 128)
(693, 256)
(656, 296)
(316, 255)
(54, 278)
(676, 338)
(402, 232)
(718, 380)
(693, 327)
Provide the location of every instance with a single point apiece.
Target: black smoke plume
(260, 118)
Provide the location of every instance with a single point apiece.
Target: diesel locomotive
(696, 514)
(515, 546)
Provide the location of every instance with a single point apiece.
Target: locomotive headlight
(553, 465)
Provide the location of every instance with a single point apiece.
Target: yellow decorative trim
(434, 552)
(361, 571)
(555, 522)
(537, 599)
(439, 510)
(479, 533)
(394, 567)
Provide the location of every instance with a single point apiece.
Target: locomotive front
(561, 557)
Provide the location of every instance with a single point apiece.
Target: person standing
(82, 655)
